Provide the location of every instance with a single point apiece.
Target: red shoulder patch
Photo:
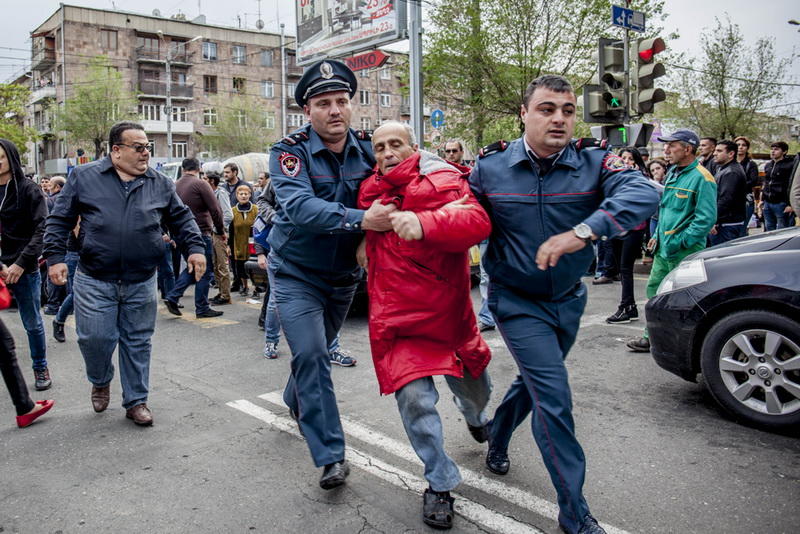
(613, 163)
(290, 164)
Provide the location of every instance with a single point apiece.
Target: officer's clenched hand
(377, 217)
(406, 224)
(196, 263)
(555, 247)
(57, 273)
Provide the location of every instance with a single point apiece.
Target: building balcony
(158, 89)
(405, 109)
(160, 127)
(149, 55)
(41, 93)
(294, 71)
(43, 58)
(44, 127)
(292, 103)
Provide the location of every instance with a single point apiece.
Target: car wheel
(751, 363)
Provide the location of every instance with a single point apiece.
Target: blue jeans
(484, 315)
(108, 314)
(606, 261)
(71, 259)
(28, 292)
(417, 404)
(748, 214)
(272, 323)
(774, 217)
(166, 276)
(726, 233)
(201, 288)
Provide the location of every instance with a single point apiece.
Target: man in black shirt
(731, 194)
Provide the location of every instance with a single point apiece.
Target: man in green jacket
(687, 212)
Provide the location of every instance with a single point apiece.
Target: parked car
(731, 313)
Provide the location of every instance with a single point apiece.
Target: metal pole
(168, 107)
(415, 67)
(283, 81)
(626, 112)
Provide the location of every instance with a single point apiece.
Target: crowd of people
(337, 201)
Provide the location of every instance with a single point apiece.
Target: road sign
(627, 18)
(437, 118)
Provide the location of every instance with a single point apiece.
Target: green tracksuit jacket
(688, 209)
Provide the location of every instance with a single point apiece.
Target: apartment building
(207, 64)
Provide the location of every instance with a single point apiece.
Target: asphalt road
(223, 456)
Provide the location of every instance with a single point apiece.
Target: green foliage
(240, 127)
(13, 99)
(98, 100)
(480, 55)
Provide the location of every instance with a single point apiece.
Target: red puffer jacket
(421, 321)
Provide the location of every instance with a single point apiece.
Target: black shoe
(58, 332)
(334, 475)
(483, 327)
(437, 509)
(497, 461)
(633, 312)
(219, 301)
(589, 526)
(622, 315)
(42, 377)
(172, 307)
(208, 313)
(480, 433)
(639, 345)
(602, 280)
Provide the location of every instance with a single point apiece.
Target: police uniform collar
(519, 153)
(317, 145)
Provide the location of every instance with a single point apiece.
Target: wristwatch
(583, 231)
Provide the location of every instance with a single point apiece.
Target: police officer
(547, 201)
(316, 172)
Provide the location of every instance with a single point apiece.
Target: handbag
(5, 295)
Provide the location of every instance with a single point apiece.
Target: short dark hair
(712, 139)
(214, 177)
(115, 135)
(729, 145)
(232, 166)
(559, 84)
(190, 164)
(780, 144)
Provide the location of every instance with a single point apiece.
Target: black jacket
(777, 176)
(23, 211)
(731, 193)
(121, 232)
(709, 164)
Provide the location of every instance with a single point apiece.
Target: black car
(731, 312)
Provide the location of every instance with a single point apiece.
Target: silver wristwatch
(583, 231)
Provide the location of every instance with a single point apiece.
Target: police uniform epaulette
(364, 135)
(590, 142)
(497, 146)
(293, 139)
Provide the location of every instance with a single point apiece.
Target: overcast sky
(689, 17)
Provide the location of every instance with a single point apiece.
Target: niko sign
(370, 60)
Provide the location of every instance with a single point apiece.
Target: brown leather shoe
(100, 398)
(140, 414)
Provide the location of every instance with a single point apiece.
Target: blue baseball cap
(325, 76)
(687, 136)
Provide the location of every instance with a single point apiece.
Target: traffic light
(644, 94)
(618, 135)
(604, 99)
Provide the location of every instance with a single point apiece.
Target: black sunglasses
(138, 148)
(451, 150)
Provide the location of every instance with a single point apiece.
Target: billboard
(330, 28)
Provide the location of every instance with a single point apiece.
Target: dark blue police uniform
(538, 312)
(312, 262)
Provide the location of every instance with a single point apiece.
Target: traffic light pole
(626, 112)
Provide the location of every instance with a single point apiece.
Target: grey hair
(58, 180)
(412, 139)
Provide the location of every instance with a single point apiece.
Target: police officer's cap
(325, 76)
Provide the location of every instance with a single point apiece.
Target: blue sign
(627, 18)
(437, 118)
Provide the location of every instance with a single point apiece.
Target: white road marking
(471, 478)
(465, 507)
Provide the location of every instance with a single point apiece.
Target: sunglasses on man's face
(137, 147)
(451, 150)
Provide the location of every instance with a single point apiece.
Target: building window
(209, 51)
(295, 120)
(241, 117)
(364, 73)
(209, 117)
(178, 114)
(363, 97)
(210, 84)
(239, 54)
(290, 87)
(386, 100)
(269, 120)
(366, 123)
(386, 73)
(148, 75)
(268, 89)
(150, 44)
(152, 147)
(179, 78)
(108, 39)
(179, 149)
(150, 112)
(238, 85)
(266, 58)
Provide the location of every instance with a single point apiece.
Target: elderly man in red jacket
(421, 320)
